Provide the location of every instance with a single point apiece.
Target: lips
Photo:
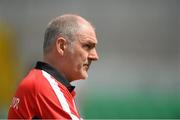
(86, 66)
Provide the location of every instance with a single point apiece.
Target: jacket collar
(53, 72)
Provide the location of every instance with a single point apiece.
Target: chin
(81, 76)
(84, 76)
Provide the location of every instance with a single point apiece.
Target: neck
(55, 63)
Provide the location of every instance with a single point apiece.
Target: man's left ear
(61, 45)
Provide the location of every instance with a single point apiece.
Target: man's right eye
(87, 46)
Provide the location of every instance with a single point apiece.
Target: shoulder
(24, 101)
(31, 82)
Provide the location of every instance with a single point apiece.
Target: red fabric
(36, 98)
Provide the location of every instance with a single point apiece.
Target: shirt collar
(53, 72)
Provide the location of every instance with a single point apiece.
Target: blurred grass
(135, 106)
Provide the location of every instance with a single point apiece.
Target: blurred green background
(138, 73)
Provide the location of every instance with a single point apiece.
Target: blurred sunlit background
(138, 73)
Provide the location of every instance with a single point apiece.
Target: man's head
(70, 46)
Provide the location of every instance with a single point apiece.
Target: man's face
(80, 54)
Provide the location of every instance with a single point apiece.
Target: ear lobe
(60, 45)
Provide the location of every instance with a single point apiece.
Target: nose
(93, 55)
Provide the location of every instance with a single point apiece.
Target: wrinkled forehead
(87, 32)
(85, 37)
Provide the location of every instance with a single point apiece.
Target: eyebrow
(89, 42)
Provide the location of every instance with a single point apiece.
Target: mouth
(86, 66)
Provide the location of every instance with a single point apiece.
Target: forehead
(86, 32)
(87, 38)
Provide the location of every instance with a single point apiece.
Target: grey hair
(65, 26)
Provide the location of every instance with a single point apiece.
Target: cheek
(78, 57)
(80, 60)
(84, 57)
